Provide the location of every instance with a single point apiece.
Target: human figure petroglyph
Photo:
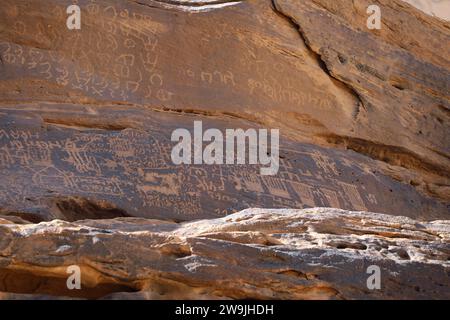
(202, 185)
(80, 159)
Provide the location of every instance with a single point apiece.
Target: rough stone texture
(436, 8)
(85, 124)
(257, 253)
(86, 116)
(400, 75)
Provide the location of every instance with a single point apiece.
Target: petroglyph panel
(131, 168)
(131, 52)
(89, 113)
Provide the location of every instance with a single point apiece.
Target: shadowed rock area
(86, 118)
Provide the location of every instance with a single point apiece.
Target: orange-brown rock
(259, 254)
(86, 118)
(87, 114)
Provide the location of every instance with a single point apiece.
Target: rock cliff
(86, 118)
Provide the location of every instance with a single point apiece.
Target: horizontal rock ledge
(319, 253)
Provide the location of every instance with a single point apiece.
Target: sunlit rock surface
(86, 118)
(436, 8)
(257, 253)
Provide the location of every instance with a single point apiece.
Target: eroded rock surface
(86, 118)
(262, 254)
(86, 115)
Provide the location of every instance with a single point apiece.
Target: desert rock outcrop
(257, 253)
(86, 175)
(86, 115)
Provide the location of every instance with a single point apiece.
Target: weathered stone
(86, 118)
(257, 253)
(436, 8)
(86, 115)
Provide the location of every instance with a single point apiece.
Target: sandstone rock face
(86, 118)
(437, 8)
(87, 115)
(261, 254)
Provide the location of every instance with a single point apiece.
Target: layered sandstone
(87, 114)
(436, 8)
(86, 176)
(257, 253)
